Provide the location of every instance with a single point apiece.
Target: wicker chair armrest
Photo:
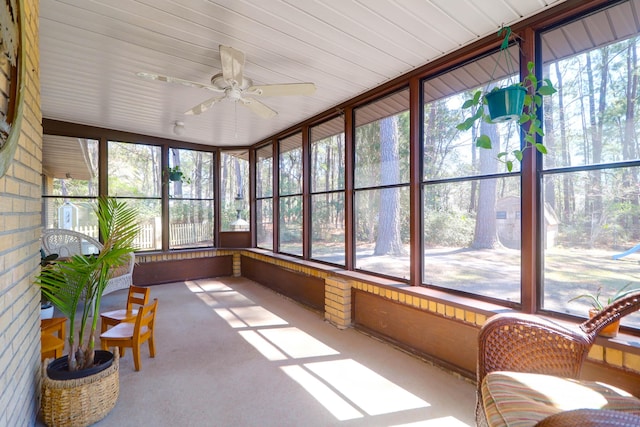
(528, 343)
(615, 311)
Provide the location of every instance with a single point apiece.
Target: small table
(52, 337)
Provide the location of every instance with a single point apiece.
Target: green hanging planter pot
(175, 176)
(506, 103)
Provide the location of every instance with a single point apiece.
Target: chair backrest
(145, 321)
(67, 243)
(138, 296)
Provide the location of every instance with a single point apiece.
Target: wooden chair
(137, 297)
(52, 337)
(519, 342)
(133, 334)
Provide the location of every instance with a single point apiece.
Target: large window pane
(264, 223)
(591, 240)
(197, 168)
(327, 187)
(382, 142)
(327, 227)
(134, 175)
(450, 153)
(150, 220)
(291, 225)
(134, 170)
(234, 190)
(290, 165)
(327, 156)
(70, 183)
(73, 214)
(191, 199)
(382, 231)
(190, 223)
(264, 171)
(472, 236)
(381, 163)
(591, 177)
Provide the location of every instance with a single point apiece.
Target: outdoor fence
(150, 238)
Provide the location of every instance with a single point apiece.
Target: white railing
(147, 238)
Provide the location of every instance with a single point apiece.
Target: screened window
(264, 197)
(327, 191)
(134, 176)
(191, 199)
(471, 204)
(234, 190)
(381, 186)
(591, 175)
(70, 183)
(290, 191)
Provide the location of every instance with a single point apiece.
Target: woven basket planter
(82, 401)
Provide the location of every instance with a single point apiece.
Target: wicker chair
(67, 243)
(528, 343)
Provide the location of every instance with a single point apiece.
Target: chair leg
(121, 351)
(104, 344)
(136, 357)
(152, 347)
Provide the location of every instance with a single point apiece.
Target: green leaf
(466, 125)
(546, 90)
(530, 66)
(517, 154)
(502, 154)
(468, 104)
(483, 141)
(509, 164)
(530, 139)
(541, 148)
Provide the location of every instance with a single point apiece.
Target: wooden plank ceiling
(92, 50)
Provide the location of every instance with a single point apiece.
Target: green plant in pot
(176, 174)
(80, 281)
(46, 307)
(598, 304)
(515, 102)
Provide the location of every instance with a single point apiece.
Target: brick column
(337, 302)
(236, 264)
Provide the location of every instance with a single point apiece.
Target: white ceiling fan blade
(283, 89)
(258, 107)
(232, 64)
(204, 106)
(168, 79)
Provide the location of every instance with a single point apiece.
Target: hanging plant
(516, 101)
(175, 174)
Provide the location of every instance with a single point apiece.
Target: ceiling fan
(235, 87)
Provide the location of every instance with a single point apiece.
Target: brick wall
(20, 210)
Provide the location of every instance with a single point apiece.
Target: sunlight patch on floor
(296, 343)
(345, 387)
(230, 318)
(257, 316)
(320, 391)
(268, 350)
(368, 390)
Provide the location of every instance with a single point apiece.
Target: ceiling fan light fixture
(178, 128)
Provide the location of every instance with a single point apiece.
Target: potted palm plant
(518, 101)
(75, 286)
(597, 305)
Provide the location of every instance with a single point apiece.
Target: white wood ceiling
(91, 50)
